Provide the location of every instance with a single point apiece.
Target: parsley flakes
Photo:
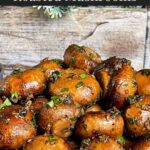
(86, 141)
(14, 95)
(6, 103)
(79, 84)
(83, 75)
(121, 140)
(131, 120)
(90, 56)
(55, 100)
(52, 139)
(64, 89)
(16, 71)
(138, 105)
(51, 103)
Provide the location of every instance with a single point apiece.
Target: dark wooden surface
(26, 36)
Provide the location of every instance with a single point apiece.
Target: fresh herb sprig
(55, 12)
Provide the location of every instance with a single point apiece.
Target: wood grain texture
(147, 52)
(26, 36)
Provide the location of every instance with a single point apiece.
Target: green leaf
(86, 141)
(138, 105)
(52, 139)
(91, 56)
(6, 103)
(55, 100)
(43, 84)
(83, 75)
(14, 95)
(2, 105)
(79, 84)
(51, 103)
(131, 120)
(121, 140)
(16, 71)
(64, 89)
(34, 121)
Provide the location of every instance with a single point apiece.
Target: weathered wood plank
(147, 52)
(26, 36)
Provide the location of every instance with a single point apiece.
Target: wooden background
(26, 36)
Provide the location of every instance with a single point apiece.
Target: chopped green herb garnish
(64, 89)
(51, 103)
(43, 84)
(131, 120)
(138, 105)
(52, 139)
(121, 140)
(55, 100)
(86, 141)
(83, 75)
(79, 84)
(6, 103)
(90, 56)
(16, 71)
(14, 95)
(134, 99)
(34, 121)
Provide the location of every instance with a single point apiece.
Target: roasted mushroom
(96, 123)
(74, 105)
(117, 79)
(15, 127)
(29, 83)
(143, 81)
(76, 86)
(137, 116)
(58, 119)
(47, 142)
(81, 57)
